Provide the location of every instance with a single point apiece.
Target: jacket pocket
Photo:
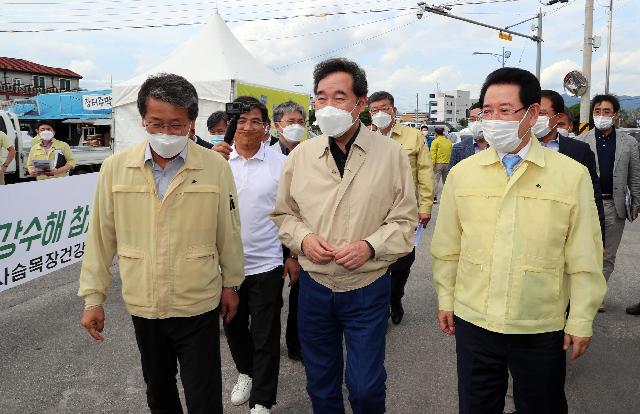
(137, 288)
(198, 276)
(535, 293)
(472, 284)
(543, 219)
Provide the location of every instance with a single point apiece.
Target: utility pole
(539, 43)
(608, 71)
(417, 106)
(587, 50)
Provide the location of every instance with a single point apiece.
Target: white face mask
(502, 135)
(381, 119)
(563, 132)
(333, 121)
(541, 129)
(602, 122)
(46, 135)
(476, 129)
(167, 146)
(293, 133)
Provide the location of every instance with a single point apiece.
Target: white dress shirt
(257, 182)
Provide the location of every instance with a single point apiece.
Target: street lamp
(501, 58)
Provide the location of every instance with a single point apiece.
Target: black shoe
(397, 312)
(295, 355)
(634, 310)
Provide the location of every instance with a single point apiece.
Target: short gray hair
(286, 108)
(170, 88)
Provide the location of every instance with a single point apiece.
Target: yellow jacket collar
(535, 154)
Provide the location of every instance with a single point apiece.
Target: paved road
(48, 364)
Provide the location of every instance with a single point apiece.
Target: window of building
(449, 112)
(17, 82)
(434, 112)
(65, 84)
(38, 81)
(433, 103)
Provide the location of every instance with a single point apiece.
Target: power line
(329, 30)
(356, 43)
(143, 26)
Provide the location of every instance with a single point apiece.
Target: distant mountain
(628, 103)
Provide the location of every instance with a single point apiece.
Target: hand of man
(353, 255)
(228, 304)
(292, 270)
(317, 250)
(51, 172)
(33, 173)
(424, 218)
(578, 345)
(447, 325)
(223, 149)
(2, 169)
(634, 214)
(93, 322)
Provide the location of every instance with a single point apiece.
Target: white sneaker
(258, 409)
(242, 390)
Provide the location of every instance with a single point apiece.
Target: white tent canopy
(211, 61)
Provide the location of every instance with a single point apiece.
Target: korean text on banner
(96, 102)
(43, 226)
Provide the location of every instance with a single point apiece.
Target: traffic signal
(505, 36)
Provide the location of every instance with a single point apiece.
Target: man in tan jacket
(383, 116)
(346, 205)
(168, 209)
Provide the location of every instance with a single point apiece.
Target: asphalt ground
(49, 364)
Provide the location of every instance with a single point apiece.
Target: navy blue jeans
(361, 316)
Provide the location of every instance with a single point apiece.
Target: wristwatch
(235, 288)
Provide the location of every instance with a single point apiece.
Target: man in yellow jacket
(168, 209)
(504, 277)
(47, 148)
(440, 155)
(383, 114)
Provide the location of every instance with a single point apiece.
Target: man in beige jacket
(346, 205)
(168, 208)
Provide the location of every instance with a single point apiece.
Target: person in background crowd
(619, 168)
(424, 130)
(346, 205)
(289, 119)
(504, 277)
(217, 124)
(546, 130)
(254, 334)
(169, 210)
(469, 146)
(440, 155)
(383, 115)
(565, 123)
(201, 142)
(8, 145)
(57, 152)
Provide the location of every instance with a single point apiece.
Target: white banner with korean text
(43, 226)
(96, 102)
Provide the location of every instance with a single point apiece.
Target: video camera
(237, 108)
(233, 111)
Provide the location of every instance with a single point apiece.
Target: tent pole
(232, 95)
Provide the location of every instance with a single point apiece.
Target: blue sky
(400, 53)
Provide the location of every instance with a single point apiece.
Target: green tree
(463, 122)
(575, 112)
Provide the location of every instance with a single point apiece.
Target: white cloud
(552, 76)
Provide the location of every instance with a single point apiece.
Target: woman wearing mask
(57, 152)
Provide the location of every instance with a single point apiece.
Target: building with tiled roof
(21, 78)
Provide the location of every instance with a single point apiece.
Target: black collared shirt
(606, 147)
(285, 150)
(341, 157)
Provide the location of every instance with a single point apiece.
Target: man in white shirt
(255, 345)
